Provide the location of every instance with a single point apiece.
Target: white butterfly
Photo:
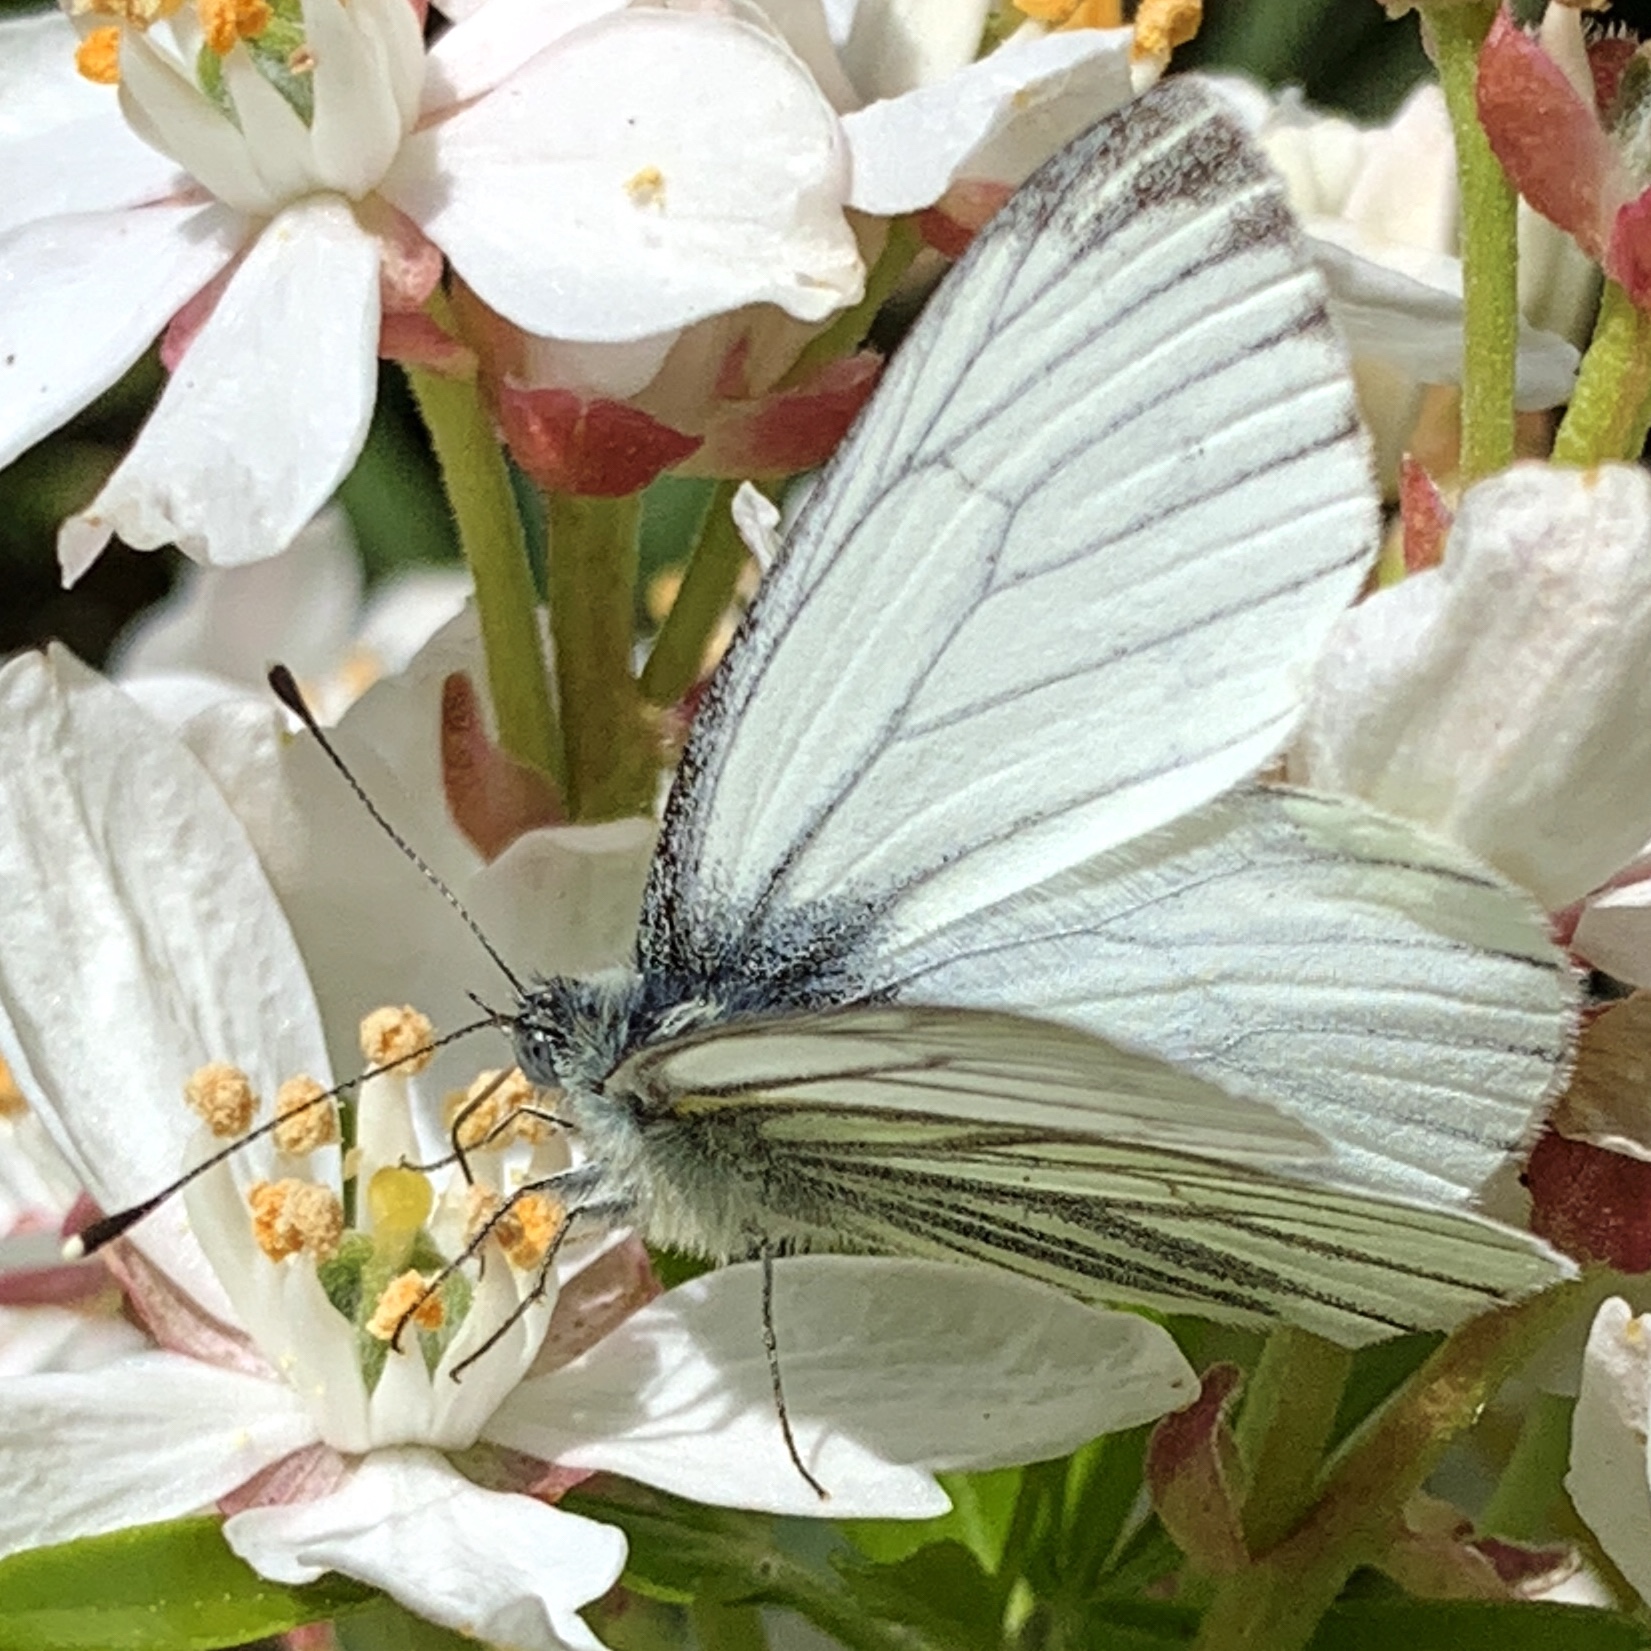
(960, 806)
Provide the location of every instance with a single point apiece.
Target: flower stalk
(1611, 406)
(1490, 251)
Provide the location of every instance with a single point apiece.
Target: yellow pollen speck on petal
(97, 57)
(400, 1036)
(1162, 25)
(222, 1095)
(292, 1216)
(224, 23)
(399, 1201)
(527, 1228)
(401, 1296)
(12, 1104)
(647, 187)
(308, 1116)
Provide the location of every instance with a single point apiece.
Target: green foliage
(171, 1587)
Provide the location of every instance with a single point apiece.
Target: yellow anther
(12, 1104)
(290, 1216)
(97, 57)
(399, 1035)
(225, 23)
(1075, 14)
(399, 1202)
(222, 1095)
(527, 1228)
(1162, 25)
(307, 1121)
(647, 187)
(408, 1293)
(492, 1098)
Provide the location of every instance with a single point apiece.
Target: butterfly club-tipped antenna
(285, 688)
(107, 1228)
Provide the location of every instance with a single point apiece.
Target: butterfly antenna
(285, 688)
(106, 1229)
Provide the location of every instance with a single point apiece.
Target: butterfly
(969, 932)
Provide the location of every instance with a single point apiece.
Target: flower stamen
(223, 1097)
(97, 57)
(399, 1037)
(407, 1299)
(290, 1217)
(225, 23)
(306, 1118)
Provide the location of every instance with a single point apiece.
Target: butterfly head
(570, 1033)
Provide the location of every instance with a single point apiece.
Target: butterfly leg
(771, 1347)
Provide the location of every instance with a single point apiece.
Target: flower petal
(892, 46)
(146, 1438)
(1607, 1481)
(267, 410)
(492, 1565)
(85, 297)
(610, 189)
(492, 41)
(997, 118)
(38, 1339)
(143, 940)
(1614, 932)
(1502, 697)
(892, 1369)
(369, 69)
(64, 146)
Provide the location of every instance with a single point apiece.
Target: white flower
(1502, 697)
(1608, 1481)
(515, 147)
(149, 943)
(1379, 208)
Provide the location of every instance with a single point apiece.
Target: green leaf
(386, 1626)
(171, 1587)
(1468, 1625)
(940, 1589)
(982, 1506)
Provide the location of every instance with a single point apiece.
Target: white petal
(758, 520)
(1403, 306)
(493, 1566)
(610, 189)
(895, 45)
(1503, 697)
(494, 40)
(85, 297)
(267, 410)
(37, 1339)
(143, 941)
(147, 1438)
(891, 1369)
(1608, 1477)
(64, 146)
(995, 119)
(369, 66)
(1614, 932)
(299, 608)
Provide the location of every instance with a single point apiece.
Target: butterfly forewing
(1064, 579)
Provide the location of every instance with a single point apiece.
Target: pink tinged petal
(1195, 1476)
(1607, 1481)
(595, 448)
(1590, 1202)
(960, 214)
(492, 797)
(168, 111)
(369, 63)
(265, 414)
(492, 41)
(175, 1320)
(596, 1301)
(1614, 932)
(1425, 514)
(314, 1471)
(148, 944)
(416, 341)
(1628, 258)
(182, 328)
(1503, 697)
(409, 262)
(610, 189)
(150, 1437)
(86, 297)
(34, 1340)
(494, 1566)
(790, 430)
(1549, 141)
(892, 1370)
(996, 119)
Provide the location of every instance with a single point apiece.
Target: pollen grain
(308, 1118)
(398, 1037)
(290, 1217)
(223, 1097)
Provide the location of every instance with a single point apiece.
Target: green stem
(1607, 416)
(1534, 1478)
(1290, 1406)
(612, 757)
(1490, 251)
(1276, 1603)
(707, 589)
(794, 1586)
(719, 1627)
(474, 473)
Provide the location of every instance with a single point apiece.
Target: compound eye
(536, 1056)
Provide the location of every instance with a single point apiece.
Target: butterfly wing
(1064, 579)
(987, 1137)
